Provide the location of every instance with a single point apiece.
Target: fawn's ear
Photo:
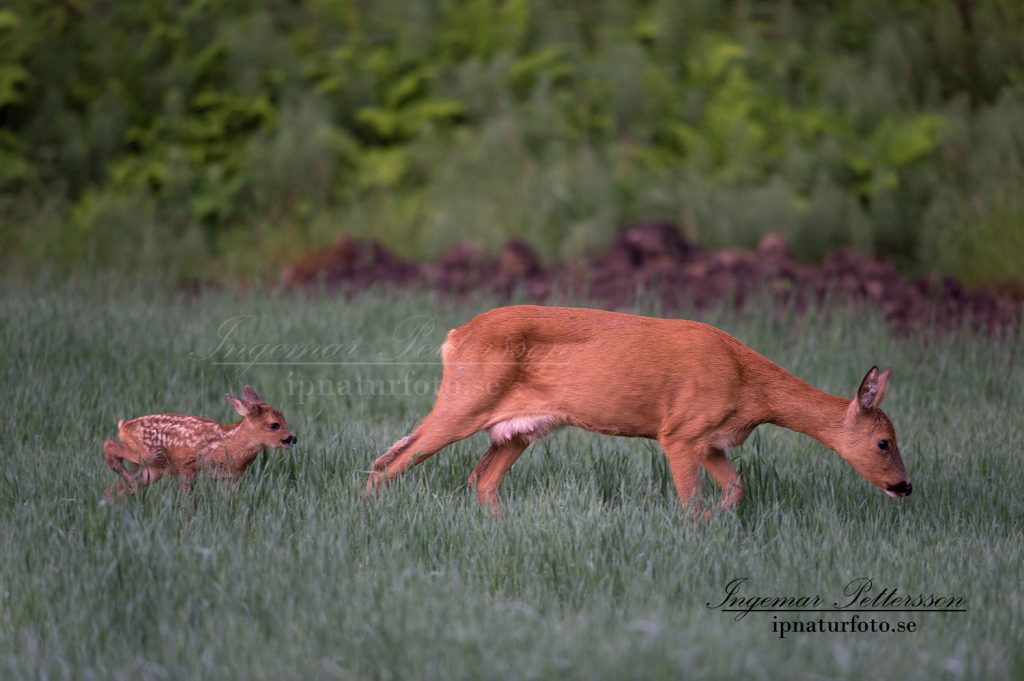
(243, 408)
(251, 396)
(872, 388)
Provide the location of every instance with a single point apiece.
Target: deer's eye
(883, 445)
(274, 426)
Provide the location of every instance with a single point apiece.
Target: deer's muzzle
(900, 489)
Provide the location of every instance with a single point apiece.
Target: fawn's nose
(902, 488)
(290, 440)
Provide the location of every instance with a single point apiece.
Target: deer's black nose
(290, 440)
(902, 488)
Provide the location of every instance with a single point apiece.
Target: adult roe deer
(520, 372)
(161, 444)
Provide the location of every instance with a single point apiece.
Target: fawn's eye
(274, 426)
(883, 445)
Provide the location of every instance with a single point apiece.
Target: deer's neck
(238, 449)
(796, 405)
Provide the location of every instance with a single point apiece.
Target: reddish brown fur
(522, 371)
(175, 444)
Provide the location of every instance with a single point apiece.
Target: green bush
(204, 139)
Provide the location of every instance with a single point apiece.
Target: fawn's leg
(143, 475)
(721, 469)
(115, 454)
(115, 492)
(188, 479)
(491, 469)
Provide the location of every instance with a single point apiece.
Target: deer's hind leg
(470, 388)
(115, 453)
(143, 471)
(492, 467)
(144, 476)
(432, 435)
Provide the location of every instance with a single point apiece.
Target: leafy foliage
(224, 137)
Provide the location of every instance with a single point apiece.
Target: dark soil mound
(653, 258)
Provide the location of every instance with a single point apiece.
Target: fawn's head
(868, 440)
(261, 422)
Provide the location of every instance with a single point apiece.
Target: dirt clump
(653, 258)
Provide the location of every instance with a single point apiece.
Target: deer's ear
(250, 395)
(872, 388)
(241, 407)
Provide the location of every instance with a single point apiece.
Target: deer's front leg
(684, 460)
(188, 479)
(721, 469)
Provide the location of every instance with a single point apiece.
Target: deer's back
(170, 433)
(586, 337)
(637, 372)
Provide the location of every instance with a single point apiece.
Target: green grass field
(593, 571)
